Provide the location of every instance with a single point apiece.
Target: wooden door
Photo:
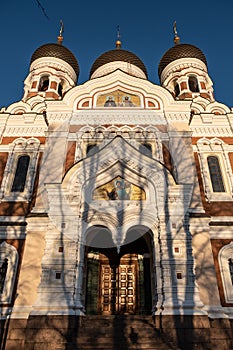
(118, 287)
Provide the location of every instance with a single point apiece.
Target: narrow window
(177, 89)
(3, 271)
(60, 89)
(58, 275)
(179, 275)
(44, 83)
(193, 84)
(20, 174)
(230, 261)
(215, 174)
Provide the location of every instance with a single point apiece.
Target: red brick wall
(70, 155)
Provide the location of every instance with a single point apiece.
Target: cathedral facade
(116, 196)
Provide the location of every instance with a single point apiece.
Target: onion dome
(58, 51)
(180, 51)
(119, 55)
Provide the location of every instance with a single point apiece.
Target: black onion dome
(118, 55)
(57, 51)
(180, 51)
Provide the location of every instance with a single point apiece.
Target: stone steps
(126, 332)
(119, 332)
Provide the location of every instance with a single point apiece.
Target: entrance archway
(119, 283)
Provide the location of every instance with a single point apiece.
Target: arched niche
(98, 238)
(119, 189)
(119, 281)
(118, 98)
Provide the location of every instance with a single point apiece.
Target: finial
(176, 37)
(60, 37)
(118, 42)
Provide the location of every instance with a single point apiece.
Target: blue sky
(91, 29)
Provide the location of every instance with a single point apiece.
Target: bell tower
(53, 71)
(183, 71)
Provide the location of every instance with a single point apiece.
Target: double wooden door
(118, 286)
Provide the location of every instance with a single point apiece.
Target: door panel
(118, 287)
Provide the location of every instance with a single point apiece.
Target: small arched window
(3, 271)
(225, 259)
(8, 270)
(230, 261)
(60, 89)
(176, 89)
(20, 174)
(215, 174)
(193, 84)
(44, 83)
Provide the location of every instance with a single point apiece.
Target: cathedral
(116, 205)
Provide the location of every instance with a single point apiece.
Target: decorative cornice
(199, 131)
(180, 65)
(28, 124)
(54, 62)
(24, 131)
(178, 116)
(126, 67)
(135, 117)
(58, 116)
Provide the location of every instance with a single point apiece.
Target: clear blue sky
(90, 29)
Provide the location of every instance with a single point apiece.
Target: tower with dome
(116, 207)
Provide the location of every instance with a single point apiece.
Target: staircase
(119, 332)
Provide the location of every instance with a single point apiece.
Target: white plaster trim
(12, 232)
(181, 64)
(216, 311)
(215, 147)
(26, 124)
(9, 252)
(225, 253)
(20, 312)
(131, 117)
(126, 67)
(221, 232)
(18, 147)
(55, 63)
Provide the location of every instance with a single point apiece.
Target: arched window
(8, 271)
(193, 84)
(44, 83)
(225, 259)
(20, 170)
(230, 261)
(177, 89)
(60, 88)
(3, 271)
(215, 174)
(20, 174)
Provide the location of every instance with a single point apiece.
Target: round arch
(119, 281)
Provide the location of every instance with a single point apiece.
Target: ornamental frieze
(211, 131)
(95, 117)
